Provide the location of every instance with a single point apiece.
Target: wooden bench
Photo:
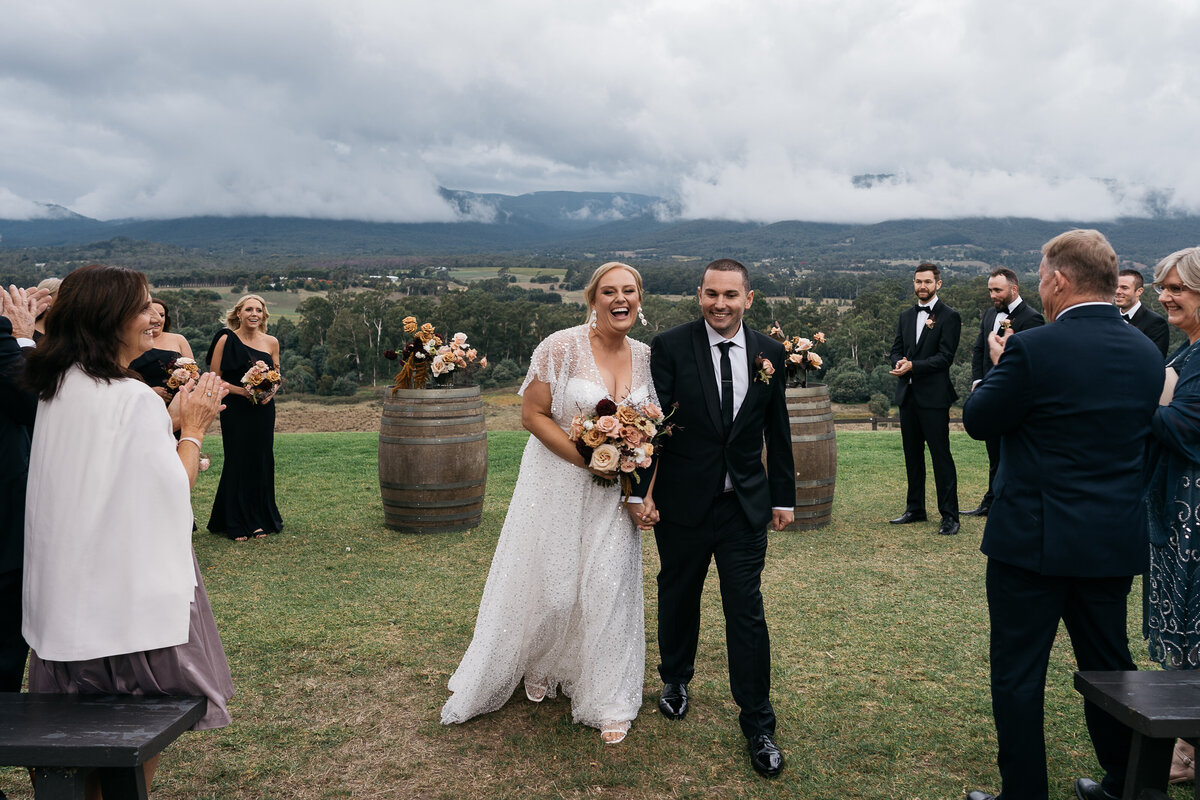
(64, 738)
(1159, 706)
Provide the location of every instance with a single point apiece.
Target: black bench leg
(59, 784)
(1149, 765)
(123, 784)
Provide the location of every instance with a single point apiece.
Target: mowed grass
(342, 634)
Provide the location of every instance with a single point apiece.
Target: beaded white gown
(562, 606)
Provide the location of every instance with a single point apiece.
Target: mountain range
(582, 224)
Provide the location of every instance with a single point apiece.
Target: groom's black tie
(726, 386)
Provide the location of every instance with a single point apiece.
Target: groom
(712, 497)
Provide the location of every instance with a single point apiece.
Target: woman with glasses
(1173, 599)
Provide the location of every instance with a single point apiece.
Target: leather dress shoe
(674, 700)
(982, 511)
(765, 755)
(978, 795)
(1088, 789)
(949, 526)
(909, 516)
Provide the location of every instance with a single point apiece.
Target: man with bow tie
(926, 340)
(1128, 300)
(1014, 315)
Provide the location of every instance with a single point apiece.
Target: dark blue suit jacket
(17, 409)
(692, 462)
(1073, 402)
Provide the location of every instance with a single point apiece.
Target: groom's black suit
(700, 521)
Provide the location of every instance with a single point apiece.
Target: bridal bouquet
(182, 370)
(800, 356)
(428, 357)
(262, 382)
(619, 439)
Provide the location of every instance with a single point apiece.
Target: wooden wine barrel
(433, 459)
(814, 449)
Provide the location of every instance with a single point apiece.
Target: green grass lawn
(342, 634)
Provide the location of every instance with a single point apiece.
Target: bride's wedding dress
(563, 602)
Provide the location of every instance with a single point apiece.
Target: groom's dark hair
(728, 265)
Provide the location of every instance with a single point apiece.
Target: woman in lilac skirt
(113, 601)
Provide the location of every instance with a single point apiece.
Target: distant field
(279, 304)
(522, 273)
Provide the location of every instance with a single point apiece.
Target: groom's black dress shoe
(909, 516)
(765, 756)
(949, 526)
(674, 700)
(982, 511)
(978, 795)
(1088, 789)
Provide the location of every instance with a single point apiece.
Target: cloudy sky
(755, 110)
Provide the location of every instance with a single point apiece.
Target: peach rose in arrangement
(815, 360)
(628, 465)
(626, 415)
(410, 324)
(594, 437)
(608, 425)
(632, 436)
(653, 412)
(576, 429)
(605, 458)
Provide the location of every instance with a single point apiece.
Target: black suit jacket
(1153, 326)
(692, 463)
(1023, 318)
(1068, 490)
(931, 357)
(17, 409)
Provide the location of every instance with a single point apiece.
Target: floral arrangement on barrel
(261, 382)
(800, 355)
(619, 439)
(430, 361)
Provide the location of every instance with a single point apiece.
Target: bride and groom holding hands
(563, 604)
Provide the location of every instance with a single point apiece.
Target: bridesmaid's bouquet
(619, 439)
(262, 382)
(182, 370)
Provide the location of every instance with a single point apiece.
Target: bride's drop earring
(642, 316)
(593, 319)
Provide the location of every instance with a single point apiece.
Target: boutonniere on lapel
(929, 322)
(763, 369)
(1005, 324)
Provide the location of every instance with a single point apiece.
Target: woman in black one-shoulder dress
(245, 503)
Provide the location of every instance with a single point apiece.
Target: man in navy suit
(1012, 313)
(1067, 529)
(18, 309)
(713, 499)
(1128, 299)
(926, 340)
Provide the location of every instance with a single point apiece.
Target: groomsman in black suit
(17, 408)
(1128, 299)
(712, 498)
(926, 339)
(1067, 530)
(1006, 305)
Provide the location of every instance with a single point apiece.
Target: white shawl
(108, 521)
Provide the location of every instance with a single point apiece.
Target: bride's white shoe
(535, 693)
(614, 732)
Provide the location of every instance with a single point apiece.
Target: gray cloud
(748, 110)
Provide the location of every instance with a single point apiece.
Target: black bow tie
(1128, 317)
(1006, 310)
(920, 307)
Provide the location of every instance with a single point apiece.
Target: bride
(563, 602)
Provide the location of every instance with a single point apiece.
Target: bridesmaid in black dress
(245, 501)
(154, 365)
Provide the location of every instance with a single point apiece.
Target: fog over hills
(586, 223)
